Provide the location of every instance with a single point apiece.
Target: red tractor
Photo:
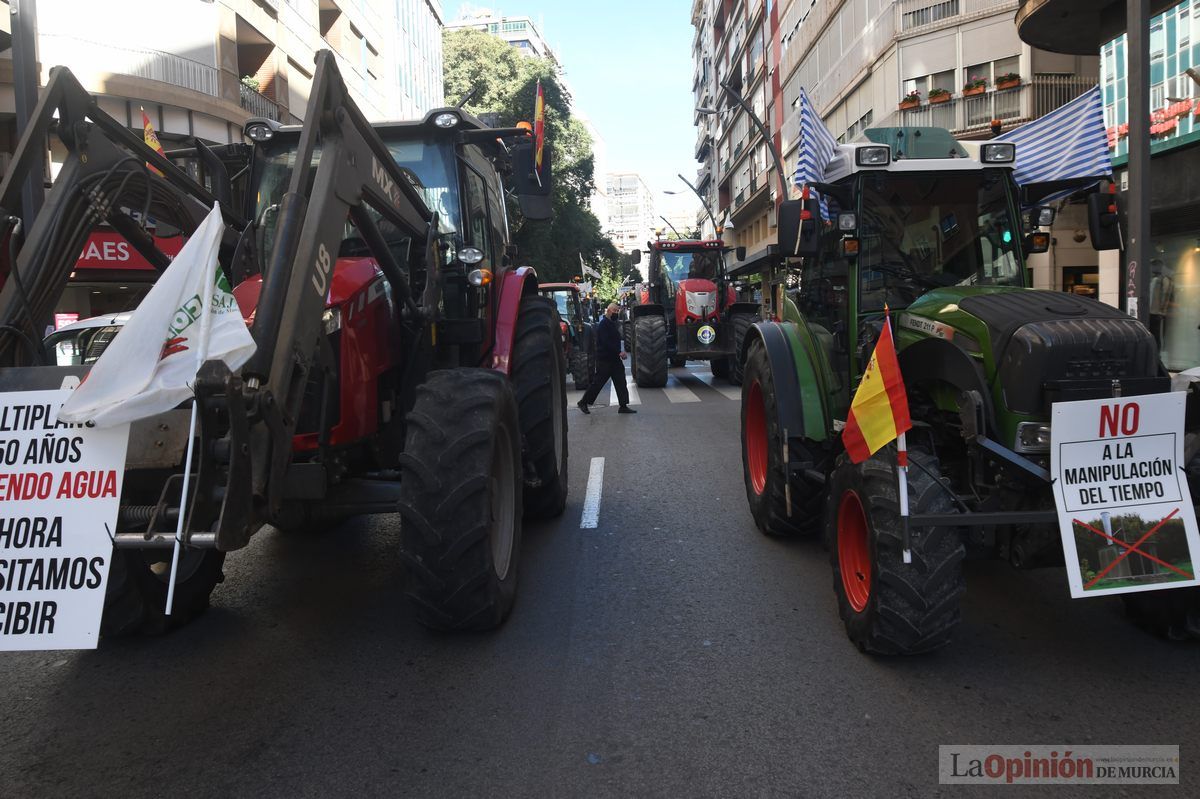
(578, 330)
(688, 310)
(405, 366)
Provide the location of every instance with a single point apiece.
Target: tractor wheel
(580, 375)
(1173, 614)
(742, 322)
(890, 607)
(460, 500)
(539, 380)
(650, 351)
(135, 600)
(720, 368)
(763, 468)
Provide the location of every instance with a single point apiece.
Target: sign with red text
(1124, 509)
(60, 488)
(108, 249)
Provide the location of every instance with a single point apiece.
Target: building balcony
(703, 143)
(258, 105)
(133, 61)
(972, 116)
(919, 16)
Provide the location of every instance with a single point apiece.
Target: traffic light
(1104, 219)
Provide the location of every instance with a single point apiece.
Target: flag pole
(902, 476)
(206, 301)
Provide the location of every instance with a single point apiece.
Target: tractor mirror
(635, 257)
(532, 186)
(1104, 223)
(739, 253)
(799, 227)
(1037, 242)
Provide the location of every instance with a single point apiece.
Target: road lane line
(723, 388)
(677, 392)
(634, 399)
(591, 501)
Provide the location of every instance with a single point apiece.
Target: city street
(672, 650)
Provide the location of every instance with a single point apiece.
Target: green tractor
(932, 229)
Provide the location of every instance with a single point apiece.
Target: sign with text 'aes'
(1124, 509)
(60, 488)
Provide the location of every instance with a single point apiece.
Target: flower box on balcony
(906, 103)
(936, 96)
(974, 90)
(1008, 84)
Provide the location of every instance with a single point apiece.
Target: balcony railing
(139, 62)
(974, 114)
(916, 15)
(259, 105)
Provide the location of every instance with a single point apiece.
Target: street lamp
(703, 203)
(762, 129)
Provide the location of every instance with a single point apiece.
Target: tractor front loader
(403, 366)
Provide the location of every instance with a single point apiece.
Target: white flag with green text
(188, 317)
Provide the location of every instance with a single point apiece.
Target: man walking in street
(610, 363)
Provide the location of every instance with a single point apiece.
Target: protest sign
(1124, 510)
(60, 489)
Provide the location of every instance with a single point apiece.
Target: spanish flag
(151, 139)
(879, 412)
(539, 127)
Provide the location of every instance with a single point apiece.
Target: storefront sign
(1124, 510)
(60, 488)
(107, 249)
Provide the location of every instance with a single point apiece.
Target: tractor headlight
(470, 255)
(446, 120)
(259, 131)
(873, 156)
(331, 320)
(1033, 437)
(998, 153)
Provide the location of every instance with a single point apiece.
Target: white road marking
(634, 399)
(721, 386)
(573, 397)
(591, 502)
(677, 392)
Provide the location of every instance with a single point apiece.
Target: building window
(1158, 96)
(1158, 41)
(934, 12)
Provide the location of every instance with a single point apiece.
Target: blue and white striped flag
(817, 144)
(1069, 142)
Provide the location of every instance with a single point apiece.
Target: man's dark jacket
(608, 340)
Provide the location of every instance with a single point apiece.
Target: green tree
(502, 82)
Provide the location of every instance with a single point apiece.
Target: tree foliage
(502, 82)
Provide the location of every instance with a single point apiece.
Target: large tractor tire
(741, 322)
(650, 351)
(763, 469)
(135, 600)
(890, 607)
(539, 379)
(460, 500)
(583, 359)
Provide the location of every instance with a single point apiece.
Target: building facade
(632, 218)
(519, 31)
(858, 60)
(201, 67)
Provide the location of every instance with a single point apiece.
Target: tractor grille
(1067, 359)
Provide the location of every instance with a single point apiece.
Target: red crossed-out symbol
(1132, 548)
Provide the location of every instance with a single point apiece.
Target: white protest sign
(60, 487)
(1124, 510)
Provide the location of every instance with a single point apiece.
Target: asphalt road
(670, 651)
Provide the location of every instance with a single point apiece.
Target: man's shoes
(625, 409)
(581, 405)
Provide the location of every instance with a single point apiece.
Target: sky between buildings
(629, 63)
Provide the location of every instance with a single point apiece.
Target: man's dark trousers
(608, 369)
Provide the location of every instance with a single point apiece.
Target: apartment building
(519, 31)
(632, 218)
(201, 67)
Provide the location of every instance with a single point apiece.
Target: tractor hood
(1042, 344)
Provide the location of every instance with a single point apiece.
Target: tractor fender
(797, 394)
(937, 360)
(514, 287)
(651, 309)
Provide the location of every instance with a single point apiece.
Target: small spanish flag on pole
(879, 415)
(539, 129)
(151, 139)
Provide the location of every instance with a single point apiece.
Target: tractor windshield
(923, 230)
(679, 266)
(562, 299)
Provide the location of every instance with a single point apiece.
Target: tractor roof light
(998, 153)
(470, 255)
(259, 130)
(873, 155)
(447, 119)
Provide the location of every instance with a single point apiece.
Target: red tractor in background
(688, 310)
(578, 330)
